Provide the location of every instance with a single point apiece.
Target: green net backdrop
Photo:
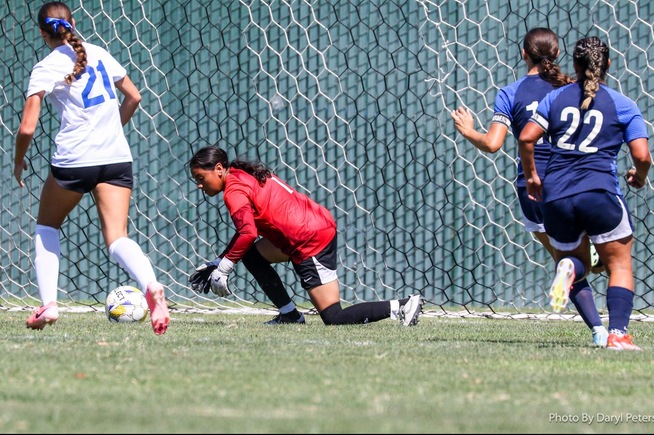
(348, 101)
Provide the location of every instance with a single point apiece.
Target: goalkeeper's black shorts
(319, 269)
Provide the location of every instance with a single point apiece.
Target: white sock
(287, 308)
(131, 258)
(395, 309)
(47, 249)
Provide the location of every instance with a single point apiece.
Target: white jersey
(91, 132)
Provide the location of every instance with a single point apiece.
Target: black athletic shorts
(84, 180)
(319, 269)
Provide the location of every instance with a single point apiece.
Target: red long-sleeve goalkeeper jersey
(292, 221)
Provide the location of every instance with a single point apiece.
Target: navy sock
(620, 302)
(580, 269)
(581, 296)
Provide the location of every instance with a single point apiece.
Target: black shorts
(84, 180)
(319, 269)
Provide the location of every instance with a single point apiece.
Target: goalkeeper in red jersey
(276, 223)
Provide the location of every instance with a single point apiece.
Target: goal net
(349, 102)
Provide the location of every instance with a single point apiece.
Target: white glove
(219, 278)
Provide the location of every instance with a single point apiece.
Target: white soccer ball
(594, 256)
(126, 304)
(596, 265)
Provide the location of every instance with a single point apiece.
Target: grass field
(217, 373)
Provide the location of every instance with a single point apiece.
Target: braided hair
(542, 46)
(591, 56)
(55, 19)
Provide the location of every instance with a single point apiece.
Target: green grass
(213, 373)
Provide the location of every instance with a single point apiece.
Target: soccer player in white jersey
(514, 105)
(91, 155)
(587, 123)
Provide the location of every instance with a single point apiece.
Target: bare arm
(526, 143)
(25, 133)
(489, 142)
(131, 101)
(642, 158)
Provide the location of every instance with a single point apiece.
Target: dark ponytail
(208, 157)
(542, 46)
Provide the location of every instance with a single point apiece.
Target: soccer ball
(594, 256)
(126, 304)
(596, 265)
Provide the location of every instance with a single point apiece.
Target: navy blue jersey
(514, 106)
(586, 143)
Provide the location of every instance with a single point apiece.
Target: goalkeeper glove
(199, 279)
(219, 278)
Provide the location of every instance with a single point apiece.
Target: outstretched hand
(200, 279)
(463, 120)
(219, 283)
(219, 278)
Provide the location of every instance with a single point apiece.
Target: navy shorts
(602, 215)
(319, 269)
(84, 180)
(532, 212)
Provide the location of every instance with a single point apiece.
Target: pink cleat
(159, 314)
(44, 315)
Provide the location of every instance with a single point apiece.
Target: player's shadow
(546, 344)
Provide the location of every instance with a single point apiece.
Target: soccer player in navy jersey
(81, 81)
(514, 105)
(587, 123)
(276, 223)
